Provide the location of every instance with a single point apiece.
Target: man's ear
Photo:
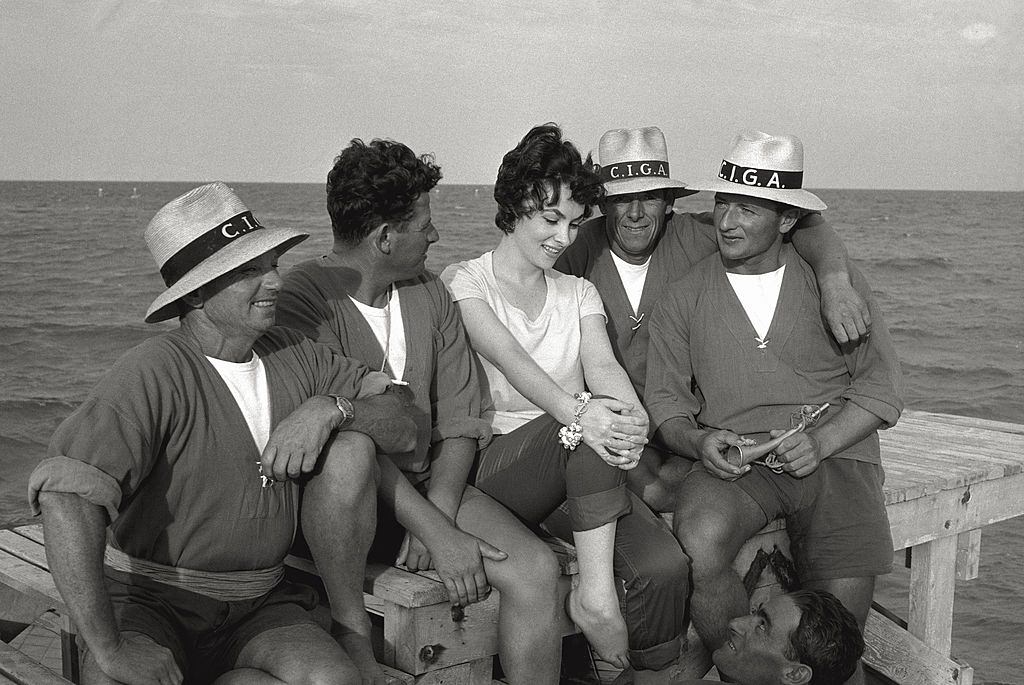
(193, 300)
(788, 219)
(797, 674)
(381, 237)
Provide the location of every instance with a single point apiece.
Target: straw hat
(766, 166)
(635, 160)
(204, 234)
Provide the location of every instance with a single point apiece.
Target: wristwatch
(344, 405)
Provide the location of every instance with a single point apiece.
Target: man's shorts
(205, 635)
(835, 517)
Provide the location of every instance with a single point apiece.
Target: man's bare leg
(529, 642)
(339, 520)
(715, 518)
(293, 654)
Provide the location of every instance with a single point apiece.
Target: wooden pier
(947, 477)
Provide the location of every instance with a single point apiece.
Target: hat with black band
(635, 160)
(202, 235)
(766, 166)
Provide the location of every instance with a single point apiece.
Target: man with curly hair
(371, 298)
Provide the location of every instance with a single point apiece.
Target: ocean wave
(918, 263)
(31, 421)
(84, 334)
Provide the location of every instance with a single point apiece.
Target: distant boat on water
(99, 192)
(135, 193)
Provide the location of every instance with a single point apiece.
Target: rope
(225, 586)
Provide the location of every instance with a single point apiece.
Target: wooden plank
(23, 548)
(968, 554)
(473, 673)
(396, 677)
(389, 583)
(932, 584)
(898, 655)
(955, 511)
(429, 638)
(21, 669)
(969, 422)
(32, 532)
(29, 580)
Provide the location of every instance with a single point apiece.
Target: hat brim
(797, 197)
(642, 185)
(234, 255)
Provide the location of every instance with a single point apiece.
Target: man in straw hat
(372, 298)
(640, 245)
(169, 497)
(739, 348)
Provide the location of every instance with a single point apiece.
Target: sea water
(946, 268)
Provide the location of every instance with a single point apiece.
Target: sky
(910, 94)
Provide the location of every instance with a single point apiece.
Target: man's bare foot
(359, 649)
(601, 622)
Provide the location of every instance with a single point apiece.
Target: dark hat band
(762, 178)
(200, 249)
(642, 168)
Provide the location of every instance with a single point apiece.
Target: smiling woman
(566, 419)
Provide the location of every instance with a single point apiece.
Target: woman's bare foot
(601, 622)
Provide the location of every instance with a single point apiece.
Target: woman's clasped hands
(616, 430)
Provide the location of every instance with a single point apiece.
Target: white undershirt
(386, 324)
(633, 277)
(759, 294)
(248, 384)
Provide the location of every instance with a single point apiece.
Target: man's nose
(635, 210)
(272, 279)
(728, 218)
(433, 236)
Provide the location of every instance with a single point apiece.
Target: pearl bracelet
(572, 435)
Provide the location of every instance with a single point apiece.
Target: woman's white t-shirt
(552, 339)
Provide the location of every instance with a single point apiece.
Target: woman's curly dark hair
(369, 184)
(531, 176)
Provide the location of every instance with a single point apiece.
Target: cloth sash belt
(224, 586)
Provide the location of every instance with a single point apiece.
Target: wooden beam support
(932, 583)
(968, 554)
(899, 656)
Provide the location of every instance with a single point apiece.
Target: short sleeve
(464, 282)
(590, 300)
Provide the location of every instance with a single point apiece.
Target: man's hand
(458, 559)
(617, 431)
(414, 555)
(800, 453)
(844, 310)
(713, 447)
(138, 660)
(296, 442)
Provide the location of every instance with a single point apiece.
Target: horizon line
(483, 185)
